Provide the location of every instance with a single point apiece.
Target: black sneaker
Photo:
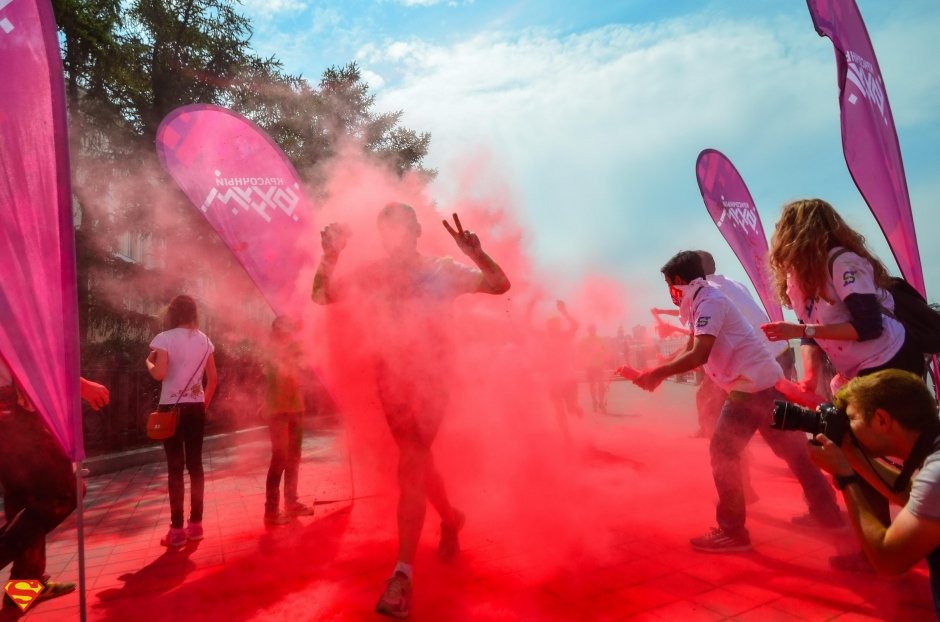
(719, 541)
(395, 601)
(450, 544)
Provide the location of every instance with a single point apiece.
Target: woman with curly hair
(838, 289)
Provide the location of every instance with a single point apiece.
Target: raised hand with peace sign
(466, 240)
(495, 280)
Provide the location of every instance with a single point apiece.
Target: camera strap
(927, 443)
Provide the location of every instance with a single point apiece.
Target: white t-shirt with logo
(186, 349)
(739, 360)
(851, 274)
(749, 308)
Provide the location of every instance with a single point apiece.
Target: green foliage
(127, 65)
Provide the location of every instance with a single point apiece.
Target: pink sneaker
(194, 531)
(174, 538)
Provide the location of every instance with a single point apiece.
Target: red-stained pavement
(332, 566)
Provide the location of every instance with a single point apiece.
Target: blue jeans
(742, 415)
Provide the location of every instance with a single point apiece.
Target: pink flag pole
(38, 299)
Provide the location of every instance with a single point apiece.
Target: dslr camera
(826, 419)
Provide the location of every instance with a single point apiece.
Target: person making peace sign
(406, 298)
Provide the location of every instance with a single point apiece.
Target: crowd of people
(821, 268)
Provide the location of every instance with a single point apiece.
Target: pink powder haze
(560, 510)
(572, 512)
(507, 459)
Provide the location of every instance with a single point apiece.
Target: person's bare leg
(412, 497)
(436, 492)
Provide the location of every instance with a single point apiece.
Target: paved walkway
(631, 563)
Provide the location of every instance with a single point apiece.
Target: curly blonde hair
(807, 230)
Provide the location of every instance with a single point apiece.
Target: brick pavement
(331, 566)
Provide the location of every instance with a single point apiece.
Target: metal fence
(121, 425)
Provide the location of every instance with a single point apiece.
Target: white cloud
(265, 9)
(598, 132)
(374, 80)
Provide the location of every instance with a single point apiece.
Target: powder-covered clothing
(405, 308)
(851, 274)
(738, 361)
(283, 378)
(187, 350)
(749, 308)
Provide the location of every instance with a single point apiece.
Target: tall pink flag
(869, 139)
(733, 210)
(38, 300)
(247, 189)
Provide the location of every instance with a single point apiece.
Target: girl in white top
(837, 288)
(179, 357)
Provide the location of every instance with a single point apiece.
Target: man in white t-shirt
(709, 397)
(735, 358)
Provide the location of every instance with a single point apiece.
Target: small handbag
(161, 424)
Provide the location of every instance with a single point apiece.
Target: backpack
(920, 321)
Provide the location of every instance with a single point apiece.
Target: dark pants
(287, 437)
(742, 415)
(38, 491)
(184, 448)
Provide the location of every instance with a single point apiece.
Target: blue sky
(592, 114)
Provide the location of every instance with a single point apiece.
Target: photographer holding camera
(890, 413)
